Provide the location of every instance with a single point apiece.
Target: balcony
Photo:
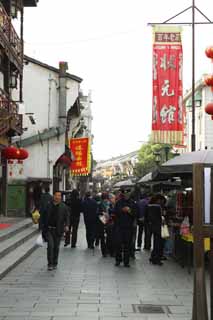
(10, 120)
(9, 40)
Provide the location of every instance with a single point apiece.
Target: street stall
(180, 203)
(125, 184)
(148, 185)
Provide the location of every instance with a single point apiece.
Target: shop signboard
(167, 107)
(81, 165)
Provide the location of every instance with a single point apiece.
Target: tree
(150, 155)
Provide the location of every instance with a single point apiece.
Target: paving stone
(87, 287)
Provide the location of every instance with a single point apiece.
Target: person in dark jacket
(155, 220)
(55, 220)
(142, 205)
(124, 212)
(75, 207)
(90, 211)
(45, 199)
(103, 219)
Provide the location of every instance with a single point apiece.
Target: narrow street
(87, 286)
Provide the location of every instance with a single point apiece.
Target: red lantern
(9, 152)
(209, 80)
(14, 153)
(22, 154)
(209, 52)
(209, 109)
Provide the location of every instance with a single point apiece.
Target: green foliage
(150, 155)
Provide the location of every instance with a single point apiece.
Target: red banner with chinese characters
(80, 148)
(167, 108)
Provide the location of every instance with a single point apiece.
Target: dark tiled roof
(47, 66)
(30, 3)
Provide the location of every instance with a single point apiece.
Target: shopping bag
(40, 241)
(185, 227)
(164, 231)
(35, 216)
(103, 219)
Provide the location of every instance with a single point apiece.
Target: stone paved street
(87, 286)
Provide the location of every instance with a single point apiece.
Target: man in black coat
(55, 220)
(75, 205)
(45, 199)
(90, 211)
(125, 212)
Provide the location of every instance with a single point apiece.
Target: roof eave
(30, 3)
(47, 66)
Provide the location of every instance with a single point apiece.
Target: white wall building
(203, 121)
(51, 95)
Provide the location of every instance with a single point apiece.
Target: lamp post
(157, 155)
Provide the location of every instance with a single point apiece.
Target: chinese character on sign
(167, 63)
(155, 63)
(167, 114)
(154, 111)
(78, 148)
(78, 163)
(180, 109)
(78, 153)
(165, 89)
(180, 66)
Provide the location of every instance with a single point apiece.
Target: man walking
(90, 211)
(55, 220)
(123, 228)
(45, 199)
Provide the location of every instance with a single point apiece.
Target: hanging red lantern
(14, 153)
(209, 109)
(208, 80)
(9, 152)
(22, 154)
(209, 52)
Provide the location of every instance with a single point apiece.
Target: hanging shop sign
(81, 165)
(167, 108)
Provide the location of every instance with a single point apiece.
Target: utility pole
(200, 310)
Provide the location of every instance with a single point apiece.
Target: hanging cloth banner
(167, 108)
(80, 148)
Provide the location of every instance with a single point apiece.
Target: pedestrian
(75, 205)
(97, 240)
(125, 212)
(55, 220)
(155, 221)
(103, 219)
(45, 199)
(90, 211)
(142, 205)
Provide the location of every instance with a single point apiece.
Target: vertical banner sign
(167, 108)
(80, 148)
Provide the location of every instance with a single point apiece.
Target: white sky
(109, 45)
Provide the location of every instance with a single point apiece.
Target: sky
(108, 43)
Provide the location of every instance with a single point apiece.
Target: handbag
(35, 216)
(40, 241)
(164, 231)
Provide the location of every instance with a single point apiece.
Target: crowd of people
(119, 224)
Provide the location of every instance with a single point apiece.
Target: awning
(182, 166)
(66, 158)
(125, 183)
(146, 178)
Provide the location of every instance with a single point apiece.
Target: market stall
(180, 203)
